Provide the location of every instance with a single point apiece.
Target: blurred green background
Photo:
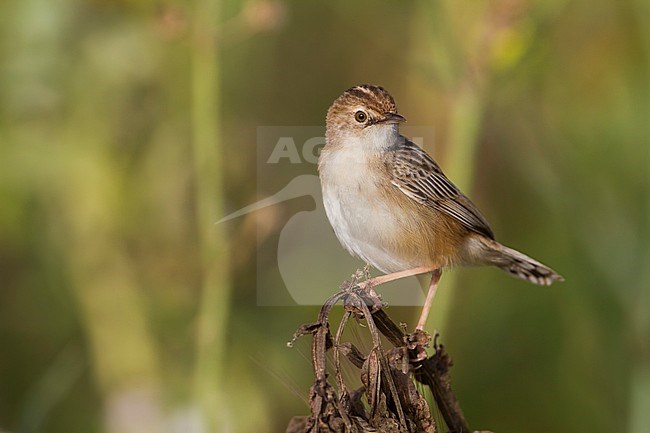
(128, 127)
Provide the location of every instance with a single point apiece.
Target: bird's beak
(392, 118)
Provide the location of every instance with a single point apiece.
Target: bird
(390, 204)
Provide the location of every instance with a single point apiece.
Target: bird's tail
(519, 264)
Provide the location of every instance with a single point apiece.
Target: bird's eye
(360, 116)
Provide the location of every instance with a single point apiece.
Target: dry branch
(392, 401)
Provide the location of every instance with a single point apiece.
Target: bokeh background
(128, 127)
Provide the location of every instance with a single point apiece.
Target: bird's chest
(365, 221)
(356, 207)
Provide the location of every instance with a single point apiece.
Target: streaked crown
(358, 108)
(375, 100)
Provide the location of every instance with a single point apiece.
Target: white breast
(363, 222)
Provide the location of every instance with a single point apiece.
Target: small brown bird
(391, 205)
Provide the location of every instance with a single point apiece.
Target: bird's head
(366, 113)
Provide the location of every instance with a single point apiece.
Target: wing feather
(418, 176)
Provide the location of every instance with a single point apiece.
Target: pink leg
(433, 285)
(368, 284)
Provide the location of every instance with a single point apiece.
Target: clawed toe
(366, 271)
(366, 285)
(359, 275)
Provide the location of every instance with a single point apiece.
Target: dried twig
(393, 402)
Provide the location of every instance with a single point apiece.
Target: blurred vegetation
(128, 127)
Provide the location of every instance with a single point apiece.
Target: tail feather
(520, 265)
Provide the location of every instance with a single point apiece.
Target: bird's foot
(372, 298)
(366, 271)
(359, 278)
(416, 343)
(362, 282)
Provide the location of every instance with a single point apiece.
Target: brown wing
(418, 176)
